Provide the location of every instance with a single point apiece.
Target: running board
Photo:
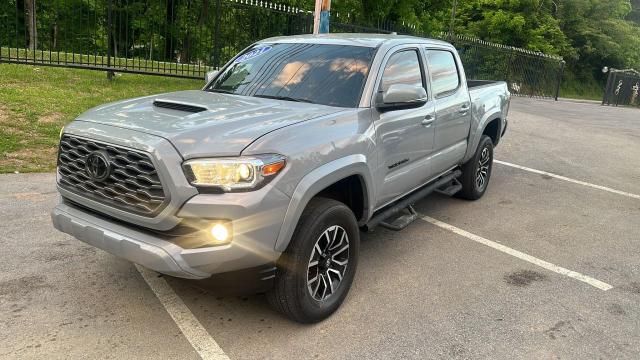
(407, 202)
(451, 188)
(401, 221)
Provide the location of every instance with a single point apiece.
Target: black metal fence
(622, 88)
(527, 73)
(187, 38)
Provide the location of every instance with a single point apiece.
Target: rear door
(452, 106)
(404, 137)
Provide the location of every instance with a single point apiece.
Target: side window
(444, 73)
(402, 68)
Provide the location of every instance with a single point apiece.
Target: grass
(574, 89)
(60, 57)
(36, 102)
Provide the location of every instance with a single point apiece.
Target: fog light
(220, 232)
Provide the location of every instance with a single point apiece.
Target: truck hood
(200, 123)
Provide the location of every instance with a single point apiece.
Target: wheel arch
(322, 179)
(493, 130)
(495, 120)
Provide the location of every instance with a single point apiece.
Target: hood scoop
(191, 108)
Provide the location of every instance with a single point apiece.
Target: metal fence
(622, 88)
(187, 38)
(527, 73)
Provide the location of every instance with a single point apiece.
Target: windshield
(321, 74)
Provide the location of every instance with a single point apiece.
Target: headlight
(233, 174)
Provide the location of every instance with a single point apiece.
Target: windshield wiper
(287, 98)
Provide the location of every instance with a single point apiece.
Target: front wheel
(315, 273)
(477, 171)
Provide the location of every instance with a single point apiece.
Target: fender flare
(319, 179)
(475, 136)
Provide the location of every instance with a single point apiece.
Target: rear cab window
(445, 78)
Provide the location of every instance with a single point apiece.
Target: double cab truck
(273, 169)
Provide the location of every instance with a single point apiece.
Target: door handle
(428, 120)
(463, 109)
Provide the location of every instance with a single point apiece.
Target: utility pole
(453, 18)
(321, 17)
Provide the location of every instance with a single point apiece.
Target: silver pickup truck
(273, 169)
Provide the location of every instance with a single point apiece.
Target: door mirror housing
(401, 96)
(210, 75)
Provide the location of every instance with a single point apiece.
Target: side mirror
(401, 96)
(210, 75)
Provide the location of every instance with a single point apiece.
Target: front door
(405, 137)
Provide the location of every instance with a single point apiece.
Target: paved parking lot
(426, 292)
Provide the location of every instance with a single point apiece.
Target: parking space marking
(191, 328)
(599, 187)
(520, 255)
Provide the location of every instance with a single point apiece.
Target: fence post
(109, 40)
(560, 74)
(607, 88)
(216, 37)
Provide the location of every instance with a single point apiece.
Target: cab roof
(354, 39)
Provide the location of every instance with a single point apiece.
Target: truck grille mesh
(132, 184)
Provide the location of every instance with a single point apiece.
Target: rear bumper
(142, 247)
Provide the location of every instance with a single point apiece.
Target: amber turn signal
(272, 169)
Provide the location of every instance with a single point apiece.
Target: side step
(448, 182)
(402, 221)
(451, 188)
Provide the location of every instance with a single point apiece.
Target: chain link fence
(187, 38)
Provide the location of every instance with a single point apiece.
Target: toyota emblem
(98, 167)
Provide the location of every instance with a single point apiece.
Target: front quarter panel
(319, 153)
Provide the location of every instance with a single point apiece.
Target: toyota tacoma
(296, 146)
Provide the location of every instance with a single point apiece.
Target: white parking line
(599, 187)
(192, 329)
(520, 255)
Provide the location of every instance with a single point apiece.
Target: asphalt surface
(421, 293)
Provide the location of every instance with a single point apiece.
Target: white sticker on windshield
(253, 53)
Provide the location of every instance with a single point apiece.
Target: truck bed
(486, 91)
(473, 84)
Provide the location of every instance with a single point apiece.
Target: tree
(30, 19)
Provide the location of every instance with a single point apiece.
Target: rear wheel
(477, 171)
(315, 273)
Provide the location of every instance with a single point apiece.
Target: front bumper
(144, 248)
(256, 216)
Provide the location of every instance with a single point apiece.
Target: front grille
(132, 184)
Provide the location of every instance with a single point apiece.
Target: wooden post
(321, 17)
(316, 17)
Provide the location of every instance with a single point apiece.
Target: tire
(479, 165)
(293, 293)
